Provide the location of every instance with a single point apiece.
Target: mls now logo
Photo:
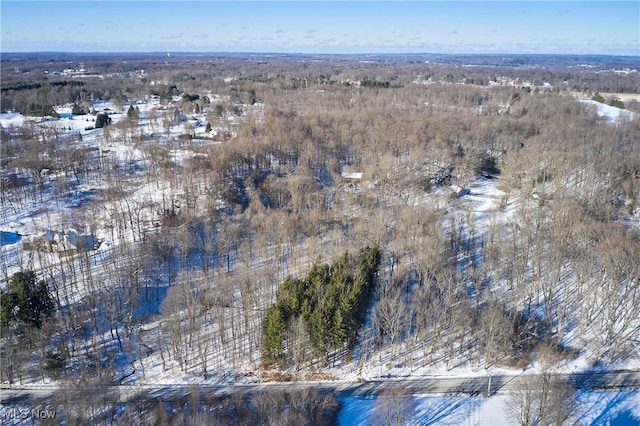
(25, 413)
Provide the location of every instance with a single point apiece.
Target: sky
(567, 27)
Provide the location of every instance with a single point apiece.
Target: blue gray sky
(572, 27)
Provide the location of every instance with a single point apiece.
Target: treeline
(329, 304)
(37, 85)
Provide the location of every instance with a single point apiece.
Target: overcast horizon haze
(542, 27)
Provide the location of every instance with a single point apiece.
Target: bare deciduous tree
(394, 407)
(547, 400)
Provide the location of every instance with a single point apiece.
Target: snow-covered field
(611, 113)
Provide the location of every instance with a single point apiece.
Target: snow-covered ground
(483, 204)
(33, 217)
(611, 113)
(594, 408)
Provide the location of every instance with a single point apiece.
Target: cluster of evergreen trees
(79, 110)
(133, 113)
(38, 110)
(102, 119)
(190, 98)
(614, 102)
(331, 300)
(375, 84)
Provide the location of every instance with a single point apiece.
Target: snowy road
(613, 380)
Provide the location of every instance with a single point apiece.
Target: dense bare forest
(315, 217)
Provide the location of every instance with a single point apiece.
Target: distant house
(62, 242)
(351, 176)
(459, 191)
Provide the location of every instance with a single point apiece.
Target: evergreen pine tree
(273, 330)
(132, 113)
(102, 119)
(26, 300)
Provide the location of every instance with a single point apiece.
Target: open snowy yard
(594, 408)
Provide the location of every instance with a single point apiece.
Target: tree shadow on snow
(609, 410)
(624, 418)
(444, 410)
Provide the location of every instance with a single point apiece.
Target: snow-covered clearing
(611, 113)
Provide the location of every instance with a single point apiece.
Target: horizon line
(249, 52)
